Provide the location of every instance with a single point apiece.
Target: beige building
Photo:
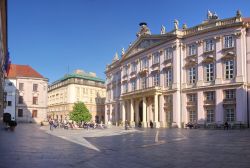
(72, 88)
(198, 75)
(26, 94)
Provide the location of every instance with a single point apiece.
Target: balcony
(227, 101)
(167, 60)
(191, 103)
(146, 91)
(209, 102)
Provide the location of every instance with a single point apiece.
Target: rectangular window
(20, 113)
(9, 103)
(209, 96)
(156, 79)
(125, 87)
(143, 82)
(192, 49)
(192, 116)
(20, 100)
(125, 70)
(168, 53)
(35, 100)
(209, 69)
(168, 78)
(156, 58)
(133, 85)
(209, 45)
(133, 67)
(21, 85)
(34, 113)
(210, 115)
(229, 94)
(35, 86)
(192, 75)
(230, 114)
(228, 41)
(144, 63)
(191, 97)
(229, 69)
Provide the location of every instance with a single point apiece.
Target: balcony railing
(229, 101)
(191, 103)
(209, 102)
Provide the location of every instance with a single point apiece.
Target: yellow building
(76, 87)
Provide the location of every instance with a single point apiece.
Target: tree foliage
(80, 113)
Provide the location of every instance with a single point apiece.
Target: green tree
(80, 113)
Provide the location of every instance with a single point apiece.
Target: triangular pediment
(143, 43)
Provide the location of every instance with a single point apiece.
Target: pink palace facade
(199, 75)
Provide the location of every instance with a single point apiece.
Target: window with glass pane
(21, 86)
(191, 97)
(20, 99)
(143, 82)
(156, 58)
(230, 94)
(20, 112)
(35, 86)
(192, 116)
(192, 49)
(168, 78)
(230, 114)
(209, 45)
(156, 79)
(168, 53)
(144, 63)
(133, 67)
(125, 87)
(35, 100)
(209, 96)
(133, 85)
(210, 72)
(192, 75)
(125, 70)
(210, 115)
(229, 69)
(228, 41)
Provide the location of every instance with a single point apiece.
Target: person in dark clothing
(151, 124)
(226, 125)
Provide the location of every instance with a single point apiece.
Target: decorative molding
(237, 34)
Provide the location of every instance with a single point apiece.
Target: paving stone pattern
(31, 146)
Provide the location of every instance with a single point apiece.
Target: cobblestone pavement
(31, 146)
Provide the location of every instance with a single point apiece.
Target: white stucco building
(199, 74)
(26, 94)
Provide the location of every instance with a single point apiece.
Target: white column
(110, 113)
(162, 112)
(136, 105)
(123, 112)
(144, 113)
(156, 117)
(132, 122)
(176, 109)
(106, 114)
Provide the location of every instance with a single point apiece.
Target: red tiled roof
(246, 19)
(22, 71)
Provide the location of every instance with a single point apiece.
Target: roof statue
(163, 29)
(116, 57)
(176, 24)
(184, 26)
(211, 16)
(123, 51)
(144, 30)
(238, 13)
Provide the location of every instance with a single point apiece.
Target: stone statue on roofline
(163, 29)
(211, 16)
(144, 30)
(123, 51)
(116, 57)
(176, 24)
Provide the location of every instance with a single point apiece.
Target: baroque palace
(199, 75)
(79, 86)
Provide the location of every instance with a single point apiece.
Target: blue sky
(57, 36)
